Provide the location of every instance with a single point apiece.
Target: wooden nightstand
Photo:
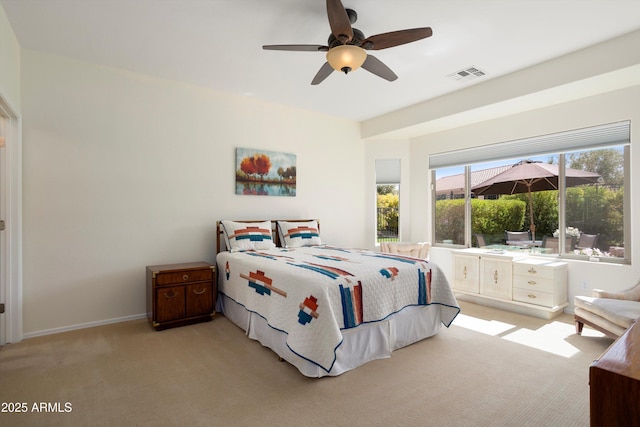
(180, 294)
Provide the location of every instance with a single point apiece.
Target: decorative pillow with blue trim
(299, 234)
(247, 236)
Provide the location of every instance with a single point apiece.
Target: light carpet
(490, 368)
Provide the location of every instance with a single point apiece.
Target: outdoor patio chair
(481, 240)
(517, 235)
(587, 241)
(416, 250)
(553, 244)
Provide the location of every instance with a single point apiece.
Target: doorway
(11, 225)
(3, 202)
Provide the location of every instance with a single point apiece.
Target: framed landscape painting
(265, 173)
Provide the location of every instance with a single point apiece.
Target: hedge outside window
(596, 211)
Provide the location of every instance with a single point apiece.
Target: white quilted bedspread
(312, 293)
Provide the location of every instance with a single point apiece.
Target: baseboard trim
(83, 325)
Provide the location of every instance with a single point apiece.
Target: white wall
(9, 63)
(123, 170)
(606, 108)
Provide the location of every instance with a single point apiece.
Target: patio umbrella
(528, 176)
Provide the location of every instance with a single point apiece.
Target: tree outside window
(388, 203)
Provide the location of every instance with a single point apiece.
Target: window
(450, 205)
(387, 200)
(595, 214)
(571, 200)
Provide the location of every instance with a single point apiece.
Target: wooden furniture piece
(540, 282)
(614, 381)
(180, 294)
(511, 281)
(496, 277)
(466, 272)
(484, 273)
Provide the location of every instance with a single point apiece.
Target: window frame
(618, 137)
(387, 172)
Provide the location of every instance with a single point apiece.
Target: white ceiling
(218, 43)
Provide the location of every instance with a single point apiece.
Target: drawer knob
(531, 296)
(532, 270)
(531, 282)
(185, 277)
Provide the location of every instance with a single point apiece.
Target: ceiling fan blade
(377, 67)
(297, 47)
(339, 21)
(322, 74)
(396, 38)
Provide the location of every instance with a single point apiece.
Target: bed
(325, 309)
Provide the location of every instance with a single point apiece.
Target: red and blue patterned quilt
(312, 293)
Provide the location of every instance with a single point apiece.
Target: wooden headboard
(274, 230)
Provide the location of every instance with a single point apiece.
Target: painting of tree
(268, 173)
(258, 164)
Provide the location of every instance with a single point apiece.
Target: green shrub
(490, 217)
(597, 210)
(545, 211)
(493, 217)
(450, 220)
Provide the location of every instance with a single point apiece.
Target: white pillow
(247, 236)
(298, 234)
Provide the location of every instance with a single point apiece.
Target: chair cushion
(620, 312)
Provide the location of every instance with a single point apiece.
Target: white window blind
(601, 136)
(387, 171)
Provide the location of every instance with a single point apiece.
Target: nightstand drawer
(184, 277)
(533, 297)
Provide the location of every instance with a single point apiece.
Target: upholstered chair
(416, 250)
(608, 312)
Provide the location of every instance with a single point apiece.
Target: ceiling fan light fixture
(346, 57)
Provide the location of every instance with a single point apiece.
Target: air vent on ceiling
(466, 74)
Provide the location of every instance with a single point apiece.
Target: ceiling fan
(347, 46)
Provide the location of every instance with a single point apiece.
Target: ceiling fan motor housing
(356, 40)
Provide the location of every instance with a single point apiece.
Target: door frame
(11, 251)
